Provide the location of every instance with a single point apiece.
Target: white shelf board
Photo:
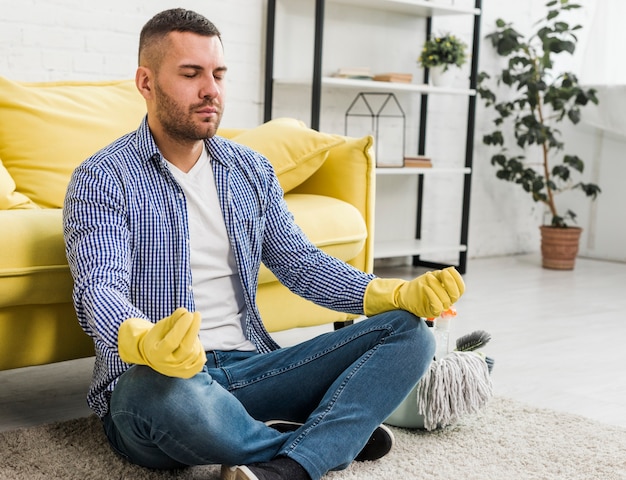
(393, 86)
(377, 86)
(422, 8)
(420, 171)
(401, 248)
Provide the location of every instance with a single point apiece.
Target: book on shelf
(359, 73)
(394, 77)
(417, 161)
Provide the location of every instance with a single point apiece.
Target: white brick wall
(44, 40)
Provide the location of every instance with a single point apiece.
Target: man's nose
(210, 89)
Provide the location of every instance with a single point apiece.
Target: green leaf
(487, 95)
(495, 138)
(574, 115)
(498, 159)
(590, 189)
(504, 109)
(482, 76)
(572, 215)
(575, 162)
(522, 139)
(569, 46)
(561, 27)
(561, 171)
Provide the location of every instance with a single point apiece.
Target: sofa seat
(37, 320)
(33, 266)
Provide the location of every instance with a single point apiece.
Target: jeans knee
(141, 389)
(419, 338)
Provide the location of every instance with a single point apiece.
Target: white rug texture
(506, 440)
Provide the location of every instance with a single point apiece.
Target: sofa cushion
(33, 266)
(294, 150)
(9, 198)
(335, 226)
(47, 129)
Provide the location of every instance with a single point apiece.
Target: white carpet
(507, 440)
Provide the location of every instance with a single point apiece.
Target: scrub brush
(473, 341)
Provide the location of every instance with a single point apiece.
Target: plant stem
(545, 148)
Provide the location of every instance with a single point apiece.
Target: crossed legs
(340, 386)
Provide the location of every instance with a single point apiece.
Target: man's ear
(144, 82)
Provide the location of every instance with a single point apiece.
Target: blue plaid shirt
(127, 243)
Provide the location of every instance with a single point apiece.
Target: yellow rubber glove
(425, 296)
(171, 346)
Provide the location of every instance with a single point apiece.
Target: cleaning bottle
(441, 330)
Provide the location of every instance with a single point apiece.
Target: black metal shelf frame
(316, 96)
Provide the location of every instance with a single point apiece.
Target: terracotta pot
(559, 247)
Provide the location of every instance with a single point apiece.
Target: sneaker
(241, 473)
(283, 426)
(379, 444)
(237, 473)
(281, 468)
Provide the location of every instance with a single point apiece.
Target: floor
(557, 340)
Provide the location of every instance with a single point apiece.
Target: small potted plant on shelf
(541, 99)
(442, 55)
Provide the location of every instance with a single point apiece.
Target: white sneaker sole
(240, 472)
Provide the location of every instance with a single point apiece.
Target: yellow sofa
(47, 129)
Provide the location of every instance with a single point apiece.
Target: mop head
(454, 386)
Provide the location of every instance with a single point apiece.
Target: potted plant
(439, 54)
(540, 98)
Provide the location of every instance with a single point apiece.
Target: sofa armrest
(349, 174)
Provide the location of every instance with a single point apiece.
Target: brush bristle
(473, 341)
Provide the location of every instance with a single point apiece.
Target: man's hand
(171, 346)
(425, 296)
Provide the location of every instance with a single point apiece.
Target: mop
(455, 385)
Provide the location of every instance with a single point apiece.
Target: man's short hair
(173, 20)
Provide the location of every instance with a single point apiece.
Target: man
(165, 232)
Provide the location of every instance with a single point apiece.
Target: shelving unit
(416, 248)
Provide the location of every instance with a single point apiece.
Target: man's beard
(179, 124)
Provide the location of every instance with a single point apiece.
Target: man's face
(188, 89)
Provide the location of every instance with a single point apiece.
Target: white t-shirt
(217, 289)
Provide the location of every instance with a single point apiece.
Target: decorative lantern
(379, 115)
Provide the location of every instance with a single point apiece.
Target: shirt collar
(146, 146)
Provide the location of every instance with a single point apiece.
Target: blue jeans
(340, 386)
